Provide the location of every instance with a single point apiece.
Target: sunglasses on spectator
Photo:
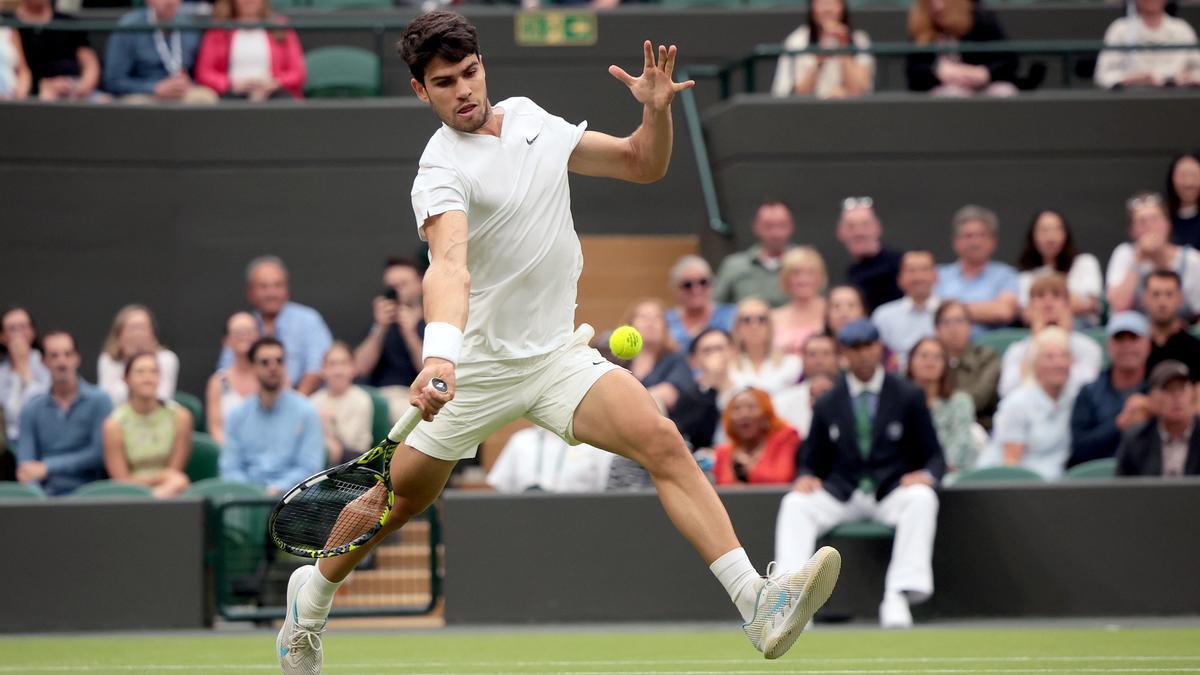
(857, 203)
(270, 361)
(749, 319)
(1145, 200)
(689, 284)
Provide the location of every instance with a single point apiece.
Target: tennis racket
(340, 509)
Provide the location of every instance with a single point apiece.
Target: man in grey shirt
(755, 271)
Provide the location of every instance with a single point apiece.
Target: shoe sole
(826, 564)
(292, 591)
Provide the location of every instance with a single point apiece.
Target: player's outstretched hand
(654, 87)
(425, 397)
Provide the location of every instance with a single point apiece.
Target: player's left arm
(643, 156)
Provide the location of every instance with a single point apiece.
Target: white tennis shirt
(522, 251)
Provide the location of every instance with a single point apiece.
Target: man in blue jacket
(1117, 400)
(154, 65)
(871, 454)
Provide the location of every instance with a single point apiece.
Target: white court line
(392, 667)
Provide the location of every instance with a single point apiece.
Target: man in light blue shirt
(300, 328)
(902, 323)
(273, 439)
(988, 289)
(61, 445)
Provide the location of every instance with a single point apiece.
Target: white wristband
(442, 341)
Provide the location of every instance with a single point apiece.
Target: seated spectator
(1050, 247)
(755, 271)
(273, 440)
(1169, 335)
(846, 304)
(660, 366)
(974, 369)
(1116, 401)
(1149, 248)
(389, 357)
(695, 311)
(22, 373)
(760, 447)
(987, 288)
(795, 404)
(1033, 423)
(803, 278)
(230, 386)
(346, 410)
(1050, 306)
(699, 412)
(300, 328)
(537, 460)
(1183, 199)
(903, 322)
(874, 267)
(949, 22)
(251, 64)
(1167, 444)
(147, 66)
(1150, 25)
(825, 76)
(952, 411)
(147, 440)
(756, 362)
(872, 452)
(61, 445)
(62, 63)
(15, 78)
(133, 331)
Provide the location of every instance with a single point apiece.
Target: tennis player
(491, 197)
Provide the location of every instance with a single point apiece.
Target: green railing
(1066, 51)
(249, 575)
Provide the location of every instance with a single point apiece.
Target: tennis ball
(625, 342)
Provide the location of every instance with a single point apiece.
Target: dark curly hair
(434, 34)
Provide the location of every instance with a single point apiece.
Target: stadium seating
(14, 490)
(342, 72)
(204, 461)
(112, 488)
(999, 474)
(381, 418)
(998, 340)
(194, 406)
(1095, 469)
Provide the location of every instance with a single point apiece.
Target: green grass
(940, 650)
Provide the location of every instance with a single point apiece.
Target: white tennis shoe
(787, 602)
(298, 645)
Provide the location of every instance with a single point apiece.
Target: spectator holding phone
(389, 357)
(820, 75)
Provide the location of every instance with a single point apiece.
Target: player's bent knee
(662, 448)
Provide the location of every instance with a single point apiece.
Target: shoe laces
(304, 639)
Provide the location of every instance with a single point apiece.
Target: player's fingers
(680, 86)
(669, 65)
(648, 50)
(662, 56)
(619, 73)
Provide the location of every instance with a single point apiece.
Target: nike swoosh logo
(596, 363)
(529, 141)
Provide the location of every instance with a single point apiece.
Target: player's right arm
(447, 287)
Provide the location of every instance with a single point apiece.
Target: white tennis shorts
(544, 389)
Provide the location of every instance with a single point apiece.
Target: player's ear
(419, 89)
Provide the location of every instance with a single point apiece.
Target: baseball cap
(858, 332)
(1167, 372)
(1128, 322)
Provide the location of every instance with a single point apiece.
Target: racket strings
(334, 512)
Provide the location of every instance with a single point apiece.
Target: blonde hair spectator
(803, 277)
(133, 331)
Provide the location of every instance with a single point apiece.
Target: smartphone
(390, 294)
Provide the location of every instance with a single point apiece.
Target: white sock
(738, 576)
(316, 596)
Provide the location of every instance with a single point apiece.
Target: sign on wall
(555, 28)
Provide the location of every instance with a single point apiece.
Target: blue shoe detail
(783, 598)
(283, 652)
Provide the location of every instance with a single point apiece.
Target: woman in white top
(757, 362)
(346, 410)
(15, 78)
(1149, 25)
(134, 331)
(1033, 424)
(1150, 248)
(254, 64)
(230, 386)
(1049, 248)
(22, 374)
(835, 76)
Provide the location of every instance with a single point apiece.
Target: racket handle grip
(411, 417)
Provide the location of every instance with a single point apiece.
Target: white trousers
(912, 510)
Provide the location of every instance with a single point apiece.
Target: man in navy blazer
(871, 454)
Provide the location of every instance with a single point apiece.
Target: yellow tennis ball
(625, 342)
